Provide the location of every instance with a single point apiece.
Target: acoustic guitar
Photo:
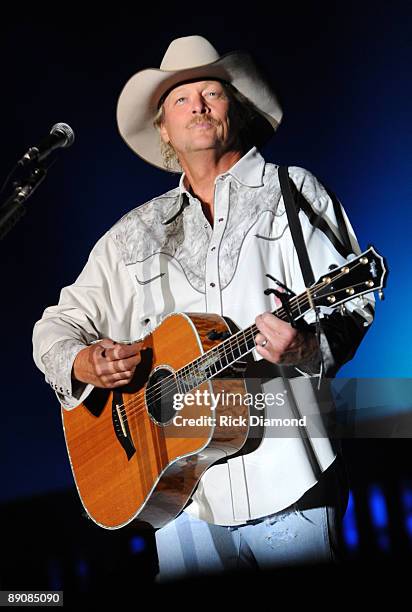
(137, 452)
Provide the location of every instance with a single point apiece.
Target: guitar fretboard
(362, 274)
(232, 349)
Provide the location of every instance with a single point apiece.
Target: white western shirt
(164, 257)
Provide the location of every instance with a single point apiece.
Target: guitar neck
(232, 349)
(362, 274)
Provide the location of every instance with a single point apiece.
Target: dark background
(342, 72)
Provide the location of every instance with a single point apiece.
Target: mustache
(209, 120)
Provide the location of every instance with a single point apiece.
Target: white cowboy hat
(187, 58)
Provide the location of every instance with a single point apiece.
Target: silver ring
(264, 343)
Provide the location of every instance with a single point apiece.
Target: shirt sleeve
(339, 330)
(100, 303)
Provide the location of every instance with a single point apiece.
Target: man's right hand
(107, 364)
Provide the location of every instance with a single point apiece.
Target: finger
(266, 333)
(123, 365)
(117, 383)
(273, 343)
(273, 327)
(120, 376)
(123, 351)
(262, 322)
(102, 345)
(117, 379)
(104, 367)
(260, 338)
(98, 349)
(267, 348)
(267, 352)
(273, 323)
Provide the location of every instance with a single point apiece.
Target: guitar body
(130, 460)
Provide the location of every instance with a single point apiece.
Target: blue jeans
(191, 547)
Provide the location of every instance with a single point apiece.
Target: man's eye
(179, 99)
(212, 93)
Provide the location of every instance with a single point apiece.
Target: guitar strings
(152, 395)
(188, 370)
(141, 402)
(220, 351)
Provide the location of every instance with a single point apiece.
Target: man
(206, 247)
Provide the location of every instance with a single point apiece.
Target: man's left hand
(282, 343)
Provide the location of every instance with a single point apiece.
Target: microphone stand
(13, 208)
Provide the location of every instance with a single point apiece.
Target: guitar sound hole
(160, 391)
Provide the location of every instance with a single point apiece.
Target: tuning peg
(381, 295)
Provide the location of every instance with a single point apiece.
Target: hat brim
(138, 102)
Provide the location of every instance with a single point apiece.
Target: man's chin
(199, 146)
(205, 147)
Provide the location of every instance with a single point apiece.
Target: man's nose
(199, 105)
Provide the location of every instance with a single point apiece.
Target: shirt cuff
(58, 364)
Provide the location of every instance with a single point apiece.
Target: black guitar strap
(344, 246)
(292, 207)
(295, 227)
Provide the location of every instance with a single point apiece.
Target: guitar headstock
(365, 273)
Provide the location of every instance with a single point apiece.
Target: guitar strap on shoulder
(295, 200)
(295, 226)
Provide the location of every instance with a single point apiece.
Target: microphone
(61, 135)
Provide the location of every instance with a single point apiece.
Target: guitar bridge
(121, 426)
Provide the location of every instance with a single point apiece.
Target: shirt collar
(248, 171)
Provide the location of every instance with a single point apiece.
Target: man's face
(196, 118)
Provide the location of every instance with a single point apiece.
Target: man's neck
(201, 170)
